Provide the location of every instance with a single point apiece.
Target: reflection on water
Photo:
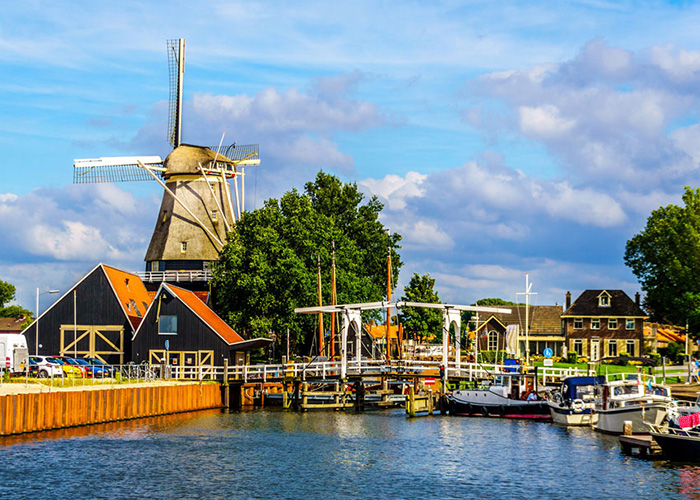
(264, 454)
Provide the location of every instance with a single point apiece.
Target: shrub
(572, 357)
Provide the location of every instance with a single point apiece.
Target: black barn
(179, 326)
(96, 318)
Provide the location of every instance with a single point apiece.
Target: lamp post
(36, 327)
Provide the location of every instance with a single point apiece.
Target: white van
(14, 355)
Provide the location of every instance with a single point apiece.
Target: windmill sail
(176, 66)
(115, 169)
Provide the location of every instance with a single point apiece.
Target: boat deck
(642, 445)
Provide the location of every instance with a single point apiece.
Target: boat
(574, 402)
(636, 399)
(679, 435)
(508, 395)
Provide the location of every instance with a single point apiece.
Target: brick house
(603, 323)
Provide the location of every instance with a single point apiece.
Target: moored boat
(510, 395)
(640, 401)
(574, 402)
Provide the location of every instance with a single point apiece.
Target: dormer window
(604, 299)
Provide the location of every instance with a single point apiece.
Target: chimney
(568, 300)
(636, 298)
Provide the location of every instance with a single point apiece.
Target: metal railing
(175, 276)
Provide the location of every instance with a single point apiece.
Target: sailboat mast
(334, 299)
(388, 309)
(320, 315)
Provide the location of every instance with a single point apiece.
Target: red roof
(217, 324)
(131, 293)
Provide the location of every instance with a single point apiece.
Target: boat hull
(565, 415)
(485, 404)
(612, 421)
(678, 447)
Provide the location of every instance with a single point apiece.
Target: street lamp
(36, 327)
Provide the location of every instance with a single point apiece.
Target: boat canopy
(571, 384)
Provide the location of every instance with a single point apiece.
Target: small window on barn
(167, 325)
(183, 247)
(214, 215)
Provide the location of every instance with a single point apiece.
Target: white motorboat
(574, 402)
(636, 399)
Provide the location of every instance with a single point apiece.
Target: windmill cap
(185, 159)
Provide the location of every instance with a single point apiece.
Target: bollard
(627, 428)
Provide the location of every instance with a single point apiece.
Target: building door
(595, 349)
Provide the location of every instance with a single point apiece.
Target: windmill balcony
(174, 276)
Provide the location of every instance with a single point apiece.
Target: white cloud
(543, 122)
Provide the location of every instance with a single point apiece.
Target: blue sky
(503, 137)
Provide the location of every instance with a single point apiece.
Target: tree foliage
(665, 258)
(421, 322)
(269, 265)
(7, 292)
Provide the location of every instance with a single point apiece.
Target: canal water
(377, 455)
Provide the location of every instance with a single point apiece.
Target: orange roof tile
(206, 314)
(131, 293)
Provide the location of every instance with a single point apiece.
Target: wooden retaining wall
(54, 410)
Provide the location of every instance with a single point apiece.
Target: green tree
(269, 265)
(421, 322)
(665, 258)
(7, 292)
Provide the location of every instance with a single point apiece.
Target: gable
(587, 304)
(130, 292)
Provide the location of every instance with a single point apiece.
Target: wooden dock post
(227, 394)
(411, 402)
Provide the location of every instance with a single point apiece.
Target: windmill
(197, 207)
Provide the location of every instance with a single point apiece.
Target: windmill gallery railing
(174, 276)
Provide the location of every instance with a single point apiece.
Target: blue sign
(167, 345)
(547, 352)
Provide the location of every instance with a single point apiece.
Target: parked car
(83, 371)
(44, 367)
(100, 368)
(69, 369)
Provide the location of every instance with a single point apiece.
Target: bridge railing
(330, 369)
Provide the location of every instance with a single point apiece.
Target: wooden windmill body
(197, 209)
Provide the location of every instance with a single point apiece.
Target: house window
(612, 347)
(604, 301)
(612, 324)
(578, 347)
(595, 323)
(167, 325)
(578, 323)
(493, 340)
(629, 324)
(630, 347)
(214, 215)
(183, 247)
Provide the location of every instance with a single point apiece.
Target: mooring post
(304, 398)
(410, 404)
(227, 393)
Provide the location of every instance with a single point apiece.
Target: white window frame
(628, 344)
(627, 323)
(578, 346)
(493, 340)
(612, 323)
(612, 343)
(595, 323)
(580, 323)
(605, 298)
